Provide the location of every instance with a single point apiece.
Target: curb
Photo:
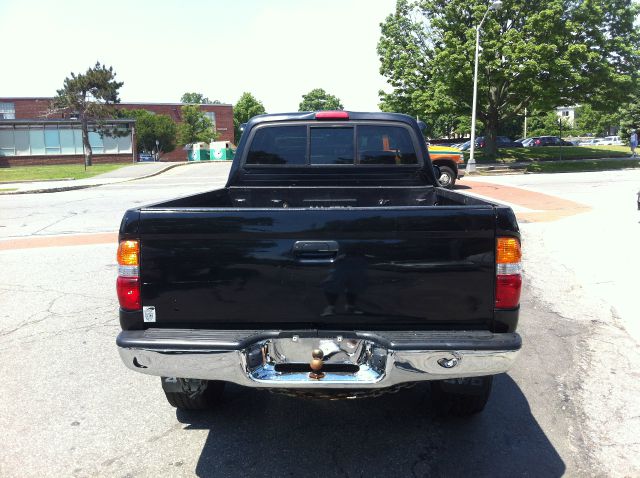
(36, 181)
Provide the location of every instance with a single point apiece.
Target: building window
(7, 147)
(53, 140)
(212, 117)
(67, 145)
(7, 111)
(21, 136)
(95, 140)
(36, 141)
(565, 113)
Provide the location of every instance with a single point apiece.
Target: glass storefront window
(96, 142)
(59, 139)
(52, 140)
(110, 145)
(124, 143)
(36, 141)
(21, 138)
(77, 136)
(6, 142)
(67, 145)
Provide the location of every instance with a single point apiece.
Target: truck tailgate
(323, 267)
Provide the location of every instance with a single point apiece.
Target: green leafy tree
(548, 124)
(535, 54)
(197, 99)
(246, 108)
(319, 100)
(151, 128)
(630, 118)
(195, 127)
(590, 121)
(92, 97)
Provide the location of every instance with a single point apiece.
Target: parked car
(550, 141)
(449, 160)
(332, 264)
(589, 142)
(526, 142)
(611, 141)
(501, 142)
(146, 157)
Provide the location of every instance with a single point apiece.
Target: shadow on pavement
(256, 433)
(461, 186)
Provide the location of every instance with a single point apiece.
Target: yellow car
(449, 160)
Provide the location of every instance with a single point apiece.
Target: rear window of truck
(298, 145)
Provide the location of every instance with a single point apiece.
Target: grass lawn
(55, 171)
(580, 166)
(553, 153)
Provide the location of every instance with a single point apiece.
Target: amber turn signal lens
(129, 253)
(508, 250)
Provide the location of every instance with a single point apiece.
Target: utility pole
(471, 164)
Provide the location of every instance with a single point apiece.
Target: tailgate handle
(316, 252)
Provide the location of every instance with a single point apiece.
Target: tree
(91, 96)
(197, 99)
(536, 54)
(590, 121)
(246, 108)
(319, 100)
(548, 124)
(195, 126)
(630, 118)
(151, 128)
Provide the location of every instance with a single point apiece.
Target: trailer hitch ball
(450, 362)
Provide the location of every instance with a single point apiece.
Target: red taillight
(508, 273)
(128, 282)
(129, 292)
(332, 115)
(508, 289)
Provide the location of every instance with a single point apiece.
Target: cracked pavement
(70, 408)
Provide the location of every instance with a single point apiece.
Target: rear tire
(203, 400)
(447, 177)
(461, 396)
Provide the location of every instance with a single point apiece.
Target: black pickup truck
(332, 264)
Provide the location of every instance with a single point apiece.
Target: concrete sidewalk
(127, 173)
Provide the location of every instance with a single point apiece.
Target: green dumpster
(198, 152)
(221, 151)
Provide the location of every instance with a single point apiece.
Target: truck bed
(291, 257)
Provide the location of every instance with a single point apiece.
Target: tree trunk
(491, 133)
(88, 152)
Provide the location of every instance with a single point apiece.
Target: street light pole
(471, 164)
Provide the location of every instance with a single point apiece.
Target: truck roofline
(311, 116)
(422, 173)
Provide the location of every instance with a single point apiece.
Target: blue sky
(276, 49)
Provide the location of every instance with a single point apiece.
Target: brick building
(28, 135)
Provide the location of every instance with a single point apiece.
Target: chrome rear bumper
(354, 360)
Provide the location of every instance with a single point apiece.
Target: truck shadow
(256, 433)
